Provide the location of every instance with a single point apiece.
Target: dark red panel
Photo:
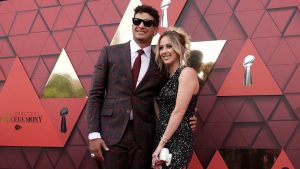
(77, 154)
(233, 3)
(7, 159)
(245, 5)
(104, 12)
(266, 27)
(294, 83)
(50, 47)
(205, 105)
(249, 113)
(66, 2)
(50, 14)
(266, 104)
(294, 141)
(74, 43)
(218, 131)
(219, 113)
(39, 25)
(202, 5)
(32, 155)
(234, 109)
(44, 162)
(265, 139)
(207, 88)
(282, 74)
(6, 20)
(293, 28)
(249, 20)
(47, 3)
(242, 136)
(282, 112)
(2, 76)
(5, 49)
(293, 101)
(86, 18)
(22, 22)
(91, 37)
(283, 130)
(28, 63)
(217, 7)
(53, 155)
(208, 142)
(233, 30)
(5, 65)
(283, 50)
(41, 70)
(76, 138)
(109, 31)
(62, 37)
(24, 5)
(218, 22)
(282, 17)
(264, 52)
(85, 67)
(67, 17)
(65, 161)
(293, 42)
(7, 7)
(282, 4)
(216, 77)
(29, 45)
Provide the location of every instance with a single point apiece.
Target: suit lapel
(126, 55)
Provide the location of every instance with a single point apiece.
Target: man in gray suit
(121, 117)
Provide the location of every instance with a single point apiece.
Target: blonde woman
(176, 100)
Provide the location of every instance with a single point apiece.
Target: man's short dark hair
(150, 10)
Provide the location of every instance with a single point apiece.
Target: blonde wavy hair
(180, 42)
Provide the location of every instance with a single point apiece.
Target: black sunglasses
(146, 22)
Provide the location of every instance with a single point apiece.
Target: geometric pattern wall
(248, 122)
(37, 30)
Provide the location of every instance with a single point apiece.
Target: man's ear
(156, 31)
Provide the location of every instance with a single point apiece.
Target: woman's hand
(156, 162)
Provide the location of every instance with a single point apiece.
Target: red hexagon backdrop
(37, 30)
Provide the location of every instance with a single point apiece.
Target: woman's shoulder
(188, 73)
(188, 70)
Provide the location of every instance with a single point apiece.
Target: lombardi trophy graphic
(248, 62)
(164, 7)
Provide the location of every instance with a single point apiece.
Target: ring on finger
(92, 155)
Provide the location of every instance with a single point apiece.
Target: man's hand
(193, 121)
(96, 146)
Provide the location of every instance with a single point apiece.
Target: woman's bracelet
(164, 140)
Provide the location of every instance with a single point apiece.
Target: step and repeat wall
(249, 103)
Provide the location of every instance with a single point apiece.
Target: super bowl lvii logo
(29, 120)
